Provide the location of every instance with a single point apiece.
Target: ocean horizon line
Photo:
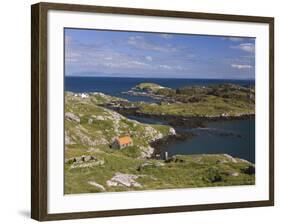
(80, 76)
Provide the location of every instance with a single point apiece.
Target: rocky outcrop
(67, 139)
(229, 157)
(233, 174)
(99, 186)
(152, 133)
(85, 139)
(72, 117)
(84, 161)
(125, 180)
(87, 165)
(146, 152)
(150, 164)
(172, 131)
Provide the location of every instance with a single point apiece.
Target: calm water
(115, 86)
(236, 137)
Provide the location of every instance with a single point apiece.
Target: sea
(239, 142)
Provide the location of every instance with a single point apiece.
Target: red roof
(124, 140)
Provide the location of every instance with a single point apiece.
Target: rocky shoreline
(173, 105)
(197, 117)
(93, 120)
(177, 122)
(160, 145)
(151, 95)
(181, 121)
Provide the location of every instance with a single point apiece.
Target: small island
(213, 101)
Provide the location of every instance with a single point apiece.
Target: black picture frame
(39, 108)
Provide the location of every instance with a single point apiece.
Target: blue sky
(139, 54)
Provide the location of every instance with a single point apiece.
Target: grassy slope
(212, 106)
(213, 100)
(94, 137)
(99, 126)
(193, 172)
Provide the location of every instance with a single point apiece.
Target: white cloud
(238, 66)
(149, 58)
(178, 67)
(165, 66)
(86, 57)
(234, 39)
(138, 63)
(140, 42)
(105, 58)
(166, 36)
(170, 67)
(72, 56)
(122, 64)
(248, 47)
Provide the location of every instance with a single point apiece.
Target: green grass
(212, 106)
(211, 100)
(95, 137)
(193, 171)
(131, 151)
(99, 126)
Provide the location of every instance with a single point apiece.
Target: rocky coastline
(180, 121)
(94, 120)
(160, 145)
(177, 122)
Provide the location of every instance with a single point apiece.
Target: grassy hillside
(89, 126)
(209, 101)
(181, 172)
(91, 165)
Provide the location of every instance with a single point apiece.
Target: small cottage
(122, 142)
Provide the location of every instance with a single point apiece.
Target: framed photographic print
(139, 111)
